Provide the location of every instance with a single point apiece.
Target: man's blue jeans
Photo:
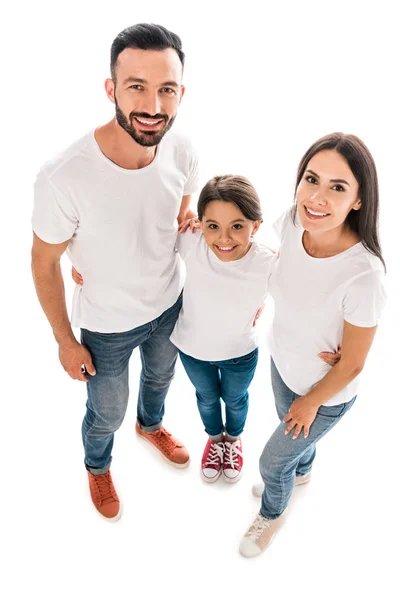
(108, 390)
(226, 379)
(283, 457)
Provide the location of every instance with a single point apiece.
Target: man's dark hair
(145, 36)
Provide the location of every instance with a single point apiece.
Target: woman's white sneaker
(258, 488)
(260, 535)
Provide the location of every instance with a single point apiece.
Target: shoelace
(215, 454)
(258, 527)
(232, 453)
(165, 439)
(105, 487)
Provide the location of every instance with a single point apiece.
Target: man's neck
(118, 146)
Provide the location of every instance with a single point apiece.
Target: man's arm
(185, 211)
(50, 290)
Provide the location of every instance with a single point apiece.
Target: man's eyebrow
(132, 79)
(333, 180)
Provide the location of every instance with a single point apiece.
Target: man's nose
(152, 104)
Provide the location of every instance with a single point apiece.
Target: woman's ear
(357, 205)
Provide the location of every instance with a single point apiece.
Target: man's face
(147, 92)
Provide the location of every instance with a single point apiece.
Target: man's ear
(109, 86)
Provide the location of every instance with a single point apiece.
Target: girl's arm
(356, 344)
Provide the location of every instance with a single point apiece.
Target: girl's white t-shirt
(313, 298)
(220, 300)
(122, 225)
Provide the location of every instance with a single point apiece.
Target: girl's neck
(323, 244)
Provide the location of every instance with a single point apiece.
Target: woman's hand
(331, 358)
(77, 277)
(193, 223)
(258, 314)
(301, 415)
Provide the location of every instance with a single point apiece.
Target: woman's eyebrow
(332, 180)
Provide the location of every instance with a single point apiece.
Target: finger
(306, 431)
(287, 418)
(290, 427)
(297, 430)
(88, 365)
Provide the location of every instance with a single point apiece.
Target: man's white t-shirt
(220, 300)
(122, 225)
(313, 298)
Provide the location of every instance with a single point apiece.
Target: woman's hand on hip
(301, 415)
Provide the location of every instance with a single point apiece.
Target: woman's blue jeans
(283, 457)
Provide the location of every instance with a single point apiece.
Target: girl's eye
(311, 179)
(237, 226)
(338, 188)
(212, 226)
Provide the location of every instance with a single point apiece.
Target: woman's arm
(356, 344)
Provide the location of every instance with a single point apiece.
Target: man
(112, 200)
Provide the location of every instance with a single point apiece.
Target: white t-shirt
(122, 224)
(220, 300)
(313, 297)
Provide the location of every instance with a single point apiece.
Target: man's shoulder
(180, 142)
(65, 161)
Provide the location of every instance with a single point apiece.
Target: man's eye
(135, 86)
(168, 90)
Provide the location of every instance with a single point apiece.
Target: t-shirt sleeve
(54, 219)
(192, 182)
(186, 241)
(365, 300)
(280, 226)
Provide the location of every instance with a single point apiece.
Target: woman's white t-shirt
(220, 300)
(313, 298)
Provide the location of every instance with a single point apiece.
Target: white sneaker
(260, 535)
(258, 488)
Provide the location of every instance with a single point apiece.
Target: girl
(226, 284)
(328, 289)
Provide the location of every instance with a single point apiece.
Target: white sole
(208, 479)
(229, 480)
(159, 453)
(111, 519)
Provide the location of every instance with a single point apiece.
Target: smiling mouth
(314, 214)
(225, 249)
(148, 124)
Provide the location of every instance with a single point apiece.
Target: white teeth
(147, 122)
(315, 213)
(221, 248)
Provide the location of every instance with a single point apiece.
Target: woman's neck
(323, 244)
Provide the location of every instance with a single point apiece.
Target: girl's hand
(193, 223)
(301, 415)
(331, 358)
(77, 277)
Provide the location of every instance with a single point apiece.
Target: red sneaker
(233, 461)
(104, 496)
(211, 463)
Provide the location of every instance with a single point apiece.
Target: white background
(264, 81)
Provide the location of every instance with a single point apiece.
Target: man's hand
(301, 415)
(331, 358)
(73, 356)
(193, 223)
(77, 277)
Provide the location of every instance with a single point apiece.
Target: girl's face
(327, 192)
(226, 230)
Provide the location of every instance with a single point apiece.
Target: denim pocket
(332, 411)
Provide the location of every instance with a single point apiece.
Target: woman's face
(327, 192)
(226, 230)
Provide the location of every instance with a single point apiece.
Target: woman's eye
(338, 188)
(311, 179)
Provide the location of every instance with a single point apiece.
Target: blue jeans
(108, 390)
(226, 379)
(283, 457)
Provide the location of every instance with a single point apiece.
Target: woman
(328, 292)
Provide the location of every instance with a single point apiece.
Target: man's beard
(149, 138)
